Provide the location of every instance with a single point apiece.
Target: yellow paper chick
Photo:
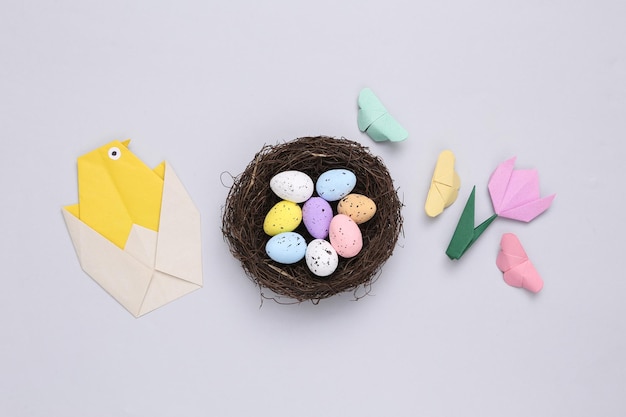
(116, 190)
(444, 186)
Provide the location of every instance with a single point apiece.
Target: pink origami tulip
(515, 194)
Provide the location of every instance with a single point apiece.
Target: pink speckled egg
(345, 236)
(316, 216)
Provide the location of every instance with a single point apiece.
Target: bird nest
(250, 198)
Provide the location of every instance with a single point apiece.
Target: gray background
(204, 85)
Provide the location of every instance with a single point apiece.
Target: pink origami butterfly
(517, 268)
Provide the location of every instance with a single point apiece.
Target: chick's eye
(114, 153)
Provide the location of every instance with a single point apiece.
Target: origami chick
(116, 190)
(136, 230)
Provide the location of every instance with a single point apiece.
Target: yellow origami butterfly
(444, 186)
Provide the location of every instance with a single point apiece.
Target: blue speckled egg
(286, 248)
(335, 184)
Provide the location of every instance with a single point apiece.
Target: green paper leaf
(465, 233)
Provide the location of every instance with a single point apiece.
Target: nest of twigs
(250, 198)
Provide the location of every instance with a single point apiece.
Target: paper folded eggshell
(154, 268)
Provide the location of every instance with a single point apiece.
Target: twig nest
(251, 198)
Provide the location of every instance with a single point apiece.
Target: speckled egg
(316, 216)
(285, 216)
(321, 257)
(286, 248)
(345, 236)
(335, 184)
(293, 186)
(358, 207)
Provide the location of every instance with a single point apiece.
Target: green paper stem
(465, 233)
(480, 229)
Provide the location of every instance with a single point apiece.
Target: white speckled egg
(345, 236)
(285, 216)
(321, 257)
(286, 248)
(293, 186)
(335, 184)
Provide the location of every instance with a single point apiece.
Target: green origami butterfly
(374, 120)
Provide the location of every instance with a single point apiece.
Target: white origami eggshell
(345, 236)
(293, 186)
(286, 248)
(335, 184)
(316, 216)
(321, 257)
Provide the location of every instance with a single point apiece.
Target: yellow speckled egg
(358, 207)
(285, 216)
